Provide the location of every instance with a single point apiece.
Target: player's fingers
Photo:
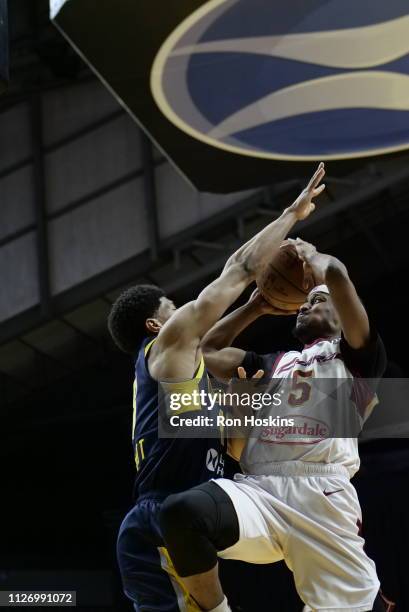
(241, 372)
(318, 190)
(299, 246)
(290, 246)
(302, 242)
(259, 374)
(288, 242)
(308, 276)
(317, 176)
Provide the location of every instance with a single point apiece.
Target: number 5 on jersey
(300, 389)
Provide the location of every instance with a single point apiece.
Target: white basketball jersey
(319, 409)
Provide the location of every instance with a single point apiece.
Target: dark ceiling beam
(27, 229)
(359, 194)
(16, 167)
(96, 193)
(87, 129)
(101, 191)
(97, 342)
(43, 264)
(221, 225)
(26, 91)
(111, 186)
(44, 355)
(151, 207)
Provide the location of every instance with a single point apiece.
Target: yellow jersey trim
(185, 601)
(149, 346)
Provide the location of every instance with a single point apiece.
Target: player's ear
(153, 326)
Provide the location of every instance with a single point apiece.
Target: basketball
(281, 282)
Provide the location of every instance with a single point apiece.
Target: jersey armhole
(276, 362)
(199, 370)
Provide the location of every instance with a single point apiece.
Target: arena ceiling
(362, 219)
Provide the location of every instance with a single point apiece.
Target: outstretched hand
(304, 205)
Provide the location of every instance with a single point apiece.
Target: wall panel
(72, 109)
(97, 236)
(92, 161)
(15, 135)
(97, 210)
(16, 201)
(180, 206)
(18, 273)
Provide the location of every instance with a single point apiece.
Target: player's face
(316, 318)
(166, 309)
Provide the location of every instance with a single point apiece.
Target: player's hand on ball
(303, 205)
(260, 303)
(313, 262)
(305, 250)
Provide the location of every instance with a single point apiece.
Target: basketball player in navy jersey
(165, 344)
(295, 501)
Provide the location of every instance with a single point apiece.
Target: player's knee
(177, 515)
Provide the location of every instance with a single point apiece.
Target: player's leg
(148, 577)
(382, 604)
(195, 525)
(199, 524)
(325, 551)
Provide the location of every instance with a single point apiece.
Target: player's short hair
(126, 321)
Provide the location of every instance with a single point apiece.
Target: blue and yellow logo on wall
(290, 79)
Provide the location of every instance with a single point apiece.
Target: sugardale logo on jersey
(295, 80)
(305, 430)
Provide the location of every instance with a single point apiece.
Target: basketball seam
(289, 281)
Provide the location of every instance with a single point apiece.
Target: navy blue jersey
(167, 465)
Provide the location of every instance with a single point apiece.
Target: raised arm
(176, 352)
(222, 360)
(331, 271)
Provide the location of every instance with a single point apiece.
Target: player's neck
(321, 338)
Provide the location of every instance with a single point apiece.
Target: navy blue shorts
(148, 576)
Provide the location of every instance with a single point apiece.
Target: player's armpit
(367, 362)
(176, 359)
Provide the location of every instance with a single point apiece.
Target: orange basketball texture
(281, 281)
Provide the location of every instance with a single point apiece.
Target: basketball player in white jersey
(295, 500)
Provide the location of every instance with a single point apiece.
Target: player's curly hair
(126, 321)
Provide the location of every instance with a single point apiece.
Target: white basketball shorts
(309, 515)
